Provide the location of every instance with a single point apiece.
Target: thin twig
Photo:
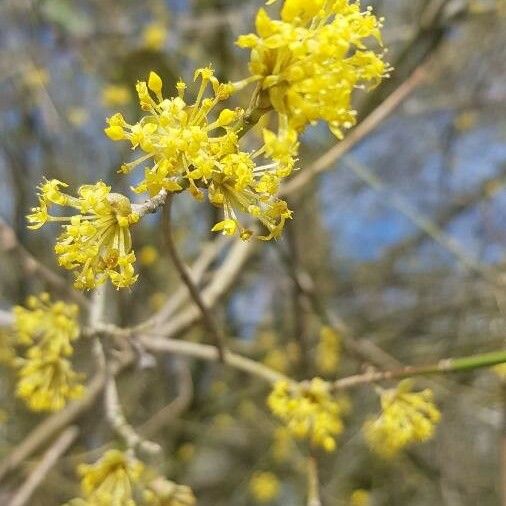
(116, 418)
(207, 317)
(313, 495)
(443, 366)
(206, 352)
(48, 460)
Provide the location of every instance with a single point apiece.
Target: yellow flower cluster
(310, 61)
(308, 410)
(264, 487)
(406, 418)
(189, 150)
(119, 479)
(96, 242)
(46, 378)
(328, 351)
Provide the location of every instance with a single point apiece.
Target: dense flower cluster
(120, 479)
(46, 377)
(96, 242)
(308, 410)
(188, 150)
(406, 418)
(310, 61)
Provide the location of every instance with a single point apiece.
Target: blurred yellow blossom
(189, 150)
(148, 255)
(154, 36)
(360, 497)
(116, 95)
(311, 60)
(264, 486)
(277, 359)
(51, 326)
(500, 370)
(328, 351)
(46, 380)
(308, 410)
(406, 418)
(47, 383)
(36, 77)
(77, 116)
(96, 242)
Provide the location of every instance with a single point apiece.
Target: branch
(443, 366)
(151, 205)
(206, 352)
(116, 418)
(48, 460)
(207, 317)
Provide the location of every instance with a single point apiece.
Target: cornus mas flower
(119, 479)
(186, 149)
(406, 418)
(310, 61)
(110, 481)
(96, 243)
(46, 380)
(51, 327)
(308, 410)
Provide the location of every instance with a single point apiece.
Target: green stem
(443, 366)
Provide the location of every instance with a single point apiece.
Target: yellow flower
(148, 255)
(264, 487)
(47, 381)
(310, 61)
(119, 479)
(111, 480)
(406, 418)
(328, 351)
(360, 497)
(162, 492)
(51, 327)
(308, 410)
(192, 146)
(154, 36)
(96, 242)
(116, 95)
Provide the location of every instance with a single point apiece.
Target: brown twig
(48, 460)
(207, 317)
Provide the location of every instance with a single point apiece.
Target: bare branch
(48, 460)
